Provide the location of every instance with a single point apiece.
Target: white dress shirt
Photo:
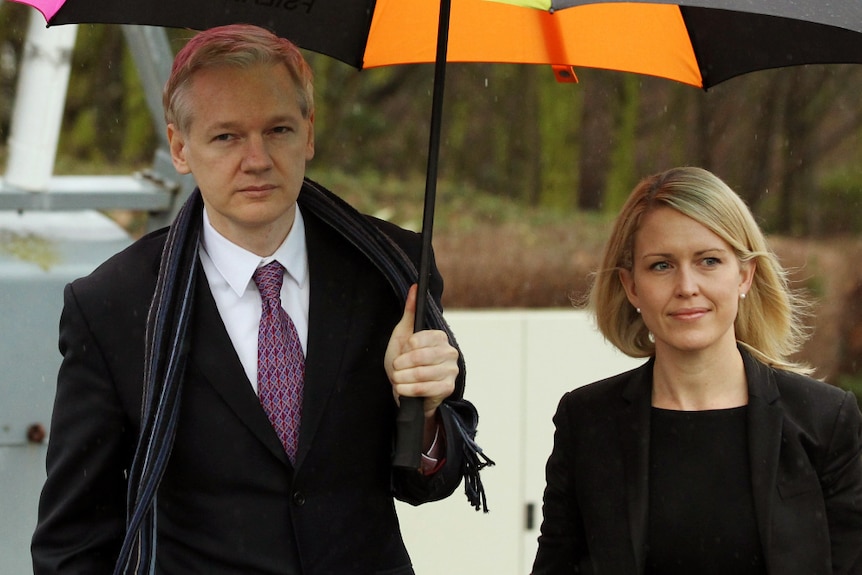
(229, 270)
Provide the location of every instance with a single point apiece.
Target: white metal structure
(40, 96)
(29, 182)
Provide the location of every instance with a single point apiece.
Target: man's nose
(256, 156)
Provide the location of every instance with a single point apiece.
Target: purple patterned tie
(280, 361)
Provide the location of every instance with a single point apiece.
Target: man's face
(247, 146)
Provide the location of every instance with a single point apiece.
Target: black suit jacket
(230, 501)
(805, 448)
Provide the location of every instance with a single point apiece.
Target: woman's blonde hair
(239, 45)
(769, 321)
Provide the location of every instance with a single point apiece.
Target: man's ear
(177, 145)
(309, 146)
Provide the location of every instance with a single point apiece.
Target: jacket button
(298, 499)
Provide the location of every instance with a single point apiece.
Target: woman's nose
(686, 285)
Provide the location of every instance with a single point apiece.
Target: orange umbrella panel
(649, 39)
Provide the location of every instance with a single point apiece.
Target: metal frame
(158, 190)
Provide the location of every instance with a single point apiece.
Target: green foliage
(139, 135)
(81, 139)
(853, 384)
(815, 284)
(14, 19)
(107, 120)
(460, 206)
(512, 131)
(561, 109)
(621, 175)
(29, 248)
(839, 202)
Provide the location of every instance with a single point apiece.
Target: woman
(719, 454)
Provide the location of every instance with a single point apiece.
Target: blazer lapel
(764, 444)
(331, 303)
(212, 353)
(634, 438)
(331, 274)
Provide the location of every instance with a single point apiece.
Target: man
(168, 443)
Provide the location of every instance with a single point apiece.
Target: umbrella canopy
(697, 42)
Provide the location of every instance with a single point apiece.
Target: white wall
(519, 364)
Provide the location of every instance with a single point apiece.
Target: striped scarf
(165, 360)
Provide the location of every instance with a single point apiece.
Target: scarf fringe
(474, 458)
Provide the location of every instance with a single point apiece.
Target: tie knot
(268, 280)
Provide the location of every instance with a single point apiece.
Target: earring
(742, 296)
(637, 309)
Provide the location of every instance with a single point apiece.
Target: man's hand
(421, 364)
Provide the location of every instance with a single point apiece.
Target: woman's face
(686, 281)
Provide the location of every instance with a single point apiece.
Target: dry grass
(826, 272)
(491, 252)
(513, 266)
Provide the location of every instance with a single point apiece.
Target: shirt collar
(237, 265)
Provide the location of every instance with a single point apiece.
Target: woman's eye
(711, 261)
(660, 266)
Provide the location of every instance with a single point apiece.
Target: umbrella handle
(410, 423)
(409, 427)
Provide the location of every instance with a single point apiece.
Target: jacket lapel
(332, 274)
(331, 302)
(223, 370)
(634, 439)
(764, 444)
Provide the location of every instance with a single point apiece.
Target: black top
(701, 511)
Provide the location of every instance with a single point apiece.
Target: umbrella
(696, 42)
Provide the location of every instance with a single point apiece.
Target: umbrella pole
(410, 422)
